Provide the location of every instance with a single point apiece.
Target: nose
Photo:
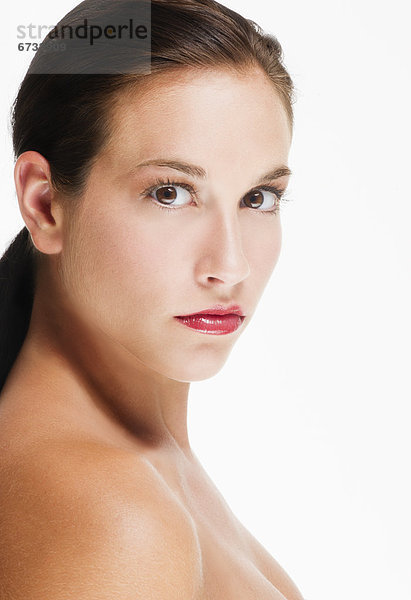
(221, 258)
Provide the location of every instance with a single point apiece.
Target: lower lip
(212, 324)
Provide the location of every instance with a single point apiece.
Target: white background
(306, 428)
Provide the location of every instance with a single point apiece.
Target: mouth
(217, 320)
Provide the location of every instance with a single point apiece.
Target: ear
(41, 213)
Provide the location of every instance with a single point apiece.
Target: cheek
(263, 255)
(121, 269)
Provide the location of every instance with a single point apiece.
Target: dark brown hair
(65, 116)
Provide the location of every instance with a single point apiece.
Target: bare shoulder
(79, 520)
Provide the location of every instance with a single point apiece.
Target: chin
(198, 369)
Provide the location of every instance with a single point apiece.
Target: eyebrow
(200, 173)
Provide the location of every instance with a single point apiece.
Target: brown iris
(254, 199)
(168, 196)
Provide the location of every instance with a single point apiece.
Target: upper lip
(219, 309)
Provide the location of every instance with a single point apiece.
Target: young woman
(151, 209)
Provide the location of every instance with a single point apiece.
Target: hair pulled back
(65, 116)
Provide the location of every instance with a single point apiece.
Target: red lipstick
(216, 320)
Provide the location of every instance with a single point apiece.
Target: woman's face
(133, 262)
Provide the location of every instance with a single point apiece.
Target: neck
(102, 380)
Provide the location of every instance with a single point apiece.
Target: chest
(231, 572)
(234, 565)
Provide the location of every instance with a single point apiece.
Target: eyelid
(270, 188)
(158, 182)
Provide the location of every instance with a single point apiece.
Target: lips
(217, 320)
(219, 309)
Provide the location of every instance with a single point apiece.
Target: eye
(166, 193)
(265, 198)
(171, 193)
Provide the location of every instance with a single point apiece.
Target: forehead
(211, 116)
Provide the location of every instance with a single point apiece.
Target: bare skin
(93, 417)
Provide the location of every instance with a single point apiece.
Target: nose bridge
(224, 256)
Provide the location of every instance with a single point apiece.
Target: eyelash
(281, 194)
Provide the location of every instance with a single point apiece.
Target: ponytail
(16, 299)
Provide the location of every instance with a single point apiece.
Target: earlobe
(36, 197)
